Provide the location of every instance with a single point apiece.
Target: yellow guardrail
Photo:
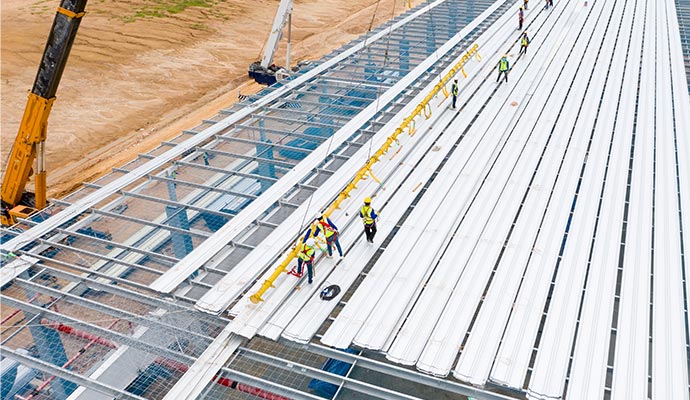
(424, 107)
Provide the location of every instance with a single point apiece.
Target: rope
(373, 17)
(302, 226)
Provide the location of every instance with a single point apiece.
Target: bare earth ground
(141, 71)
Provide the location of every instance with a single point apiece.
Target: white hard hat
(310, 242)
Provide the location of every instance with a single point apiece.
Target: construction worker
(454, 90)
(524, 42)
(525, 3)
(330, 231)
(306, 256)
(521, 18)
(369, 217)
(503, 68)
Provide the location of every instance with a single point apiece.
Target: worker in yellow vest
(306, 257)
(330, 231)
(524, 42)
(503, 68)
(454, 90)
(369, 217)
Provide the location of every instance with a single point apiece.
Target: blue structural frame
(50, 348)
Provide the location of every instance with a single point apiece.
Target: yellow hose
(407, 123)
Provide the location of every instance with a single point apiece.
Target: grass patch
(166, 8)
(200, 27)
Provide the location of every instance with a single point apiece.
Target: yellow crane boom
(30, 142)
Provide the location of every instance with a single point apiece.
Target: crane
(265, 71)
(29, 145)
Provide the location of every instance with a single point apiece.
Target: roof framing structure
(532, 243)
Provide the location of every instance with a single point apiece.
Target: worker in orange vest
(369, 217)
(330, 231)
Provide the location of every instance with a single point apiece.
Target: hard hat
(310, 242)
(505, 56)
(367, 200)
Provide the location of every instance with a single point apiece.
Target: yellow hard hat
(367, 200)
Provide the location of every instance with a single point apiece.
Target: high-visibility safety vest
(328, 230)
(503, 65)
(524, 41)
(454, 89)
(307, 252)
(366, 212)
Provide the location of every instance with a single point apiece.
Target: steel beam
(227, 172)
(345, 85)
(291, 121)
(355, 385)
(97, 330)
(399, 372)
(174, 203)
(285, 134)
(99, 256)
(120, 281)
(255, 158)
(274, 145)
(149, 223)
(158, 257)
(325, 105)
(68, 375)
(202, 186)
(119, 290)
(106, 309)
(337, 96)
(297, 111)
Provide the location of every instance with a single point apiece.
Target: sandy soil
(138, 74)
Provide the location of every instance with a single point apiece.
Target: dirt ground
(140, 71)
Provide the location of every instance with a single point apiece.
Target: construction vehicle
(29, 146)
(265, 71)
